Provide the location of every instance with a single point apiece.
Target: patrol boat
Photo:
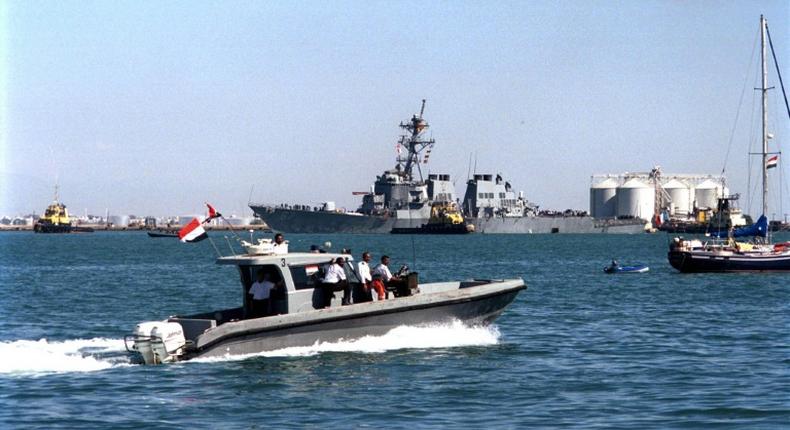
(299, 316)
(401, 200)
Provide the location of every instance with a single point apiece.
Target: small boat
(303, 312)
(445, 219)
(639, 268)
(162, 233)
(56, 220)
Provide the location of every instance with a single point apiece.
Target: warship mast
(414, 144)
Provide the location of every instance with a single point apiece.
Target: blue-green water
(578, 348)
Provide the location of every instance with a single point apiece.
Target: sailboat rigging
(731, 255)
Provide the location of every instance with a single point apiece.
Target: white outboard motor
(142, 340)
(167, 341)
(158, 341)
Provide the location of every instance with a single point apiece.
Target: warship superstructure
(401, 198)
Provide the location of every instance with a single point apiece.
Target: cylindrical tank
(239, 222)
(186, 219)
(680, 194)
(603, 199)
(635, 199)
(119, 220)
(707, 193)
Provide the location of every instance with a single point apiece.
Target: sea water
(578, 348)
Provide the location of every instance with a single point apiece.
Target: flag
(192, 232)
(772, 162)
(212, 213)
(397, 148)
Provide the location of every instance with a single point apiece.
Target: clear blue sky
(154, 107)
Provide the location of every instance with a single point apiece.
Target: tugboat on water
(445, 219)
(56, 220)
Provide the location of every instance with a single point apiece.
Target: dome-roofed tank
(635, 199)
(680, 193)
(603, 199)
(706, 194)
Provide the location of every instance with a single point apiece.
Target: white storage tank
(706, 194)
(119, 220)
(239, 221)
(680, 193)
(635, 199)
(603, 199)
(186, 219)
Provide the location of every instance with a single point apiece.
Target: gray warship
(401, 198)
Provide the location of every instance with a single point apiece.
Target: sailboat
(725, 253)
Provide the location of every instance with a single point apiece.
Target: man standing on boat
(280, 245)
(364, 276)
(261, 290)
(335, 280)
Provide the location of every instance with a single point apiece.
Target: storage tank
(707, 194)
(186, 219)
(680, 193)
(119, 220)
(603, 199)
(239, 222)
(635, 199)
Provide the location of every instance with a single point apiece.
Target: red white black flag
(192, 232)
(772, 162)
(212, 213)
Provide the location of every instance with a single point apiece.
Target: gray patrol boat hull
(305, 221)
(473, 305)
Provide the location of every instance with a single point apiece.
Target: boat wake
(43, 357)
(37, 357)
(448, 335)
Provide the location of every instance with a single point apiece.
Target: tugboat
(731, 255)
(445, 219)
(56, 220)
(302, 311)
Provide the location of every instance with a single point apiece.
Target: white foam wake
(42, 356)
(450, 335)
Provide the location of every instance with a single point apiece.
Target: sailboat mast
(765, 117)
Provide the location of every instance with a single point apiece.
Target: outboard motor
(158, 341)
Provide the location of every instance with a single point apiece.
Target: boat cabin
(297, 277)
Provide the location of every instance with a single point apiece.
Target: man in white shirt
(280, 245)
(382, 273)
(364, 276)
(261, 291)
(335, 280)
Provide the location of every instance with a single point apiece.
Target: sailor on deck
(280, 245)
(335, 280)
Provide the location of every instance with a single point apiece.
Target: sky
(152, 108)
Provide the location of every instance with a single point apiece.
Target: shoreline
(98, 228)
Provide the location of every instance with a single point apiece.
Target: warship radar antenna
(414, 144)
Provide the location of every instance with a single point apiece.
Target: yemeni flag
(772, 162)
(192, 232)
(212, 213)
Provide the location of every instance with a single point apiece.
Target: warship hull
(319, 222)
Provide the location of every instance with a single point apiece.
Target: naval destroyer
(401, 198)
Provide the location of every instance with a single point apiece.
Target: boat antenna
(469, 169)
